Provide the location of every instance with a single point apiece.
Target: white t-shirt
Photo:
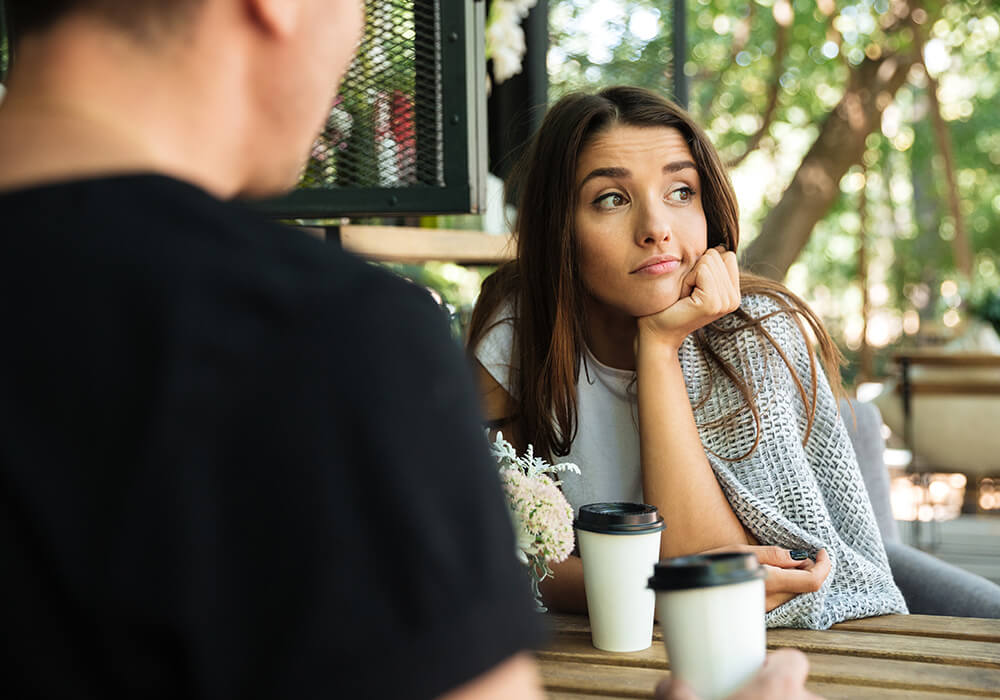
(606, 447)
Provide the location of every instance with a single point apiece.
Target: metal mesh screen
(385, 127)
(4, 43)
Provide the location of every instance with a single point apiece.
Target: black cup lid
(703, 570)
(619, 518)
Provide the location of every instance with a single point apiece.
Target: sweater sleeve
(801, 487)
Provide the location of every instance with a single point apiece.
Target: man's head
(140, 17)
(226, 93)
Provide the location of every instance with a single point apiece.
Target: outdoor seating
(929, 585)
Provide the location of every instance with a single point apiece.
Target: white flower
(507, 458)
(506, 64)
(505, 38)
(543, 518)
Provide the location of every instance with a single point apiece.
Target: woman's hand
(708, 292)
(786, 577)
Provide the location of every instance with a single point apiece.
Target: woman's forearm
(565, 592)
(676, 475)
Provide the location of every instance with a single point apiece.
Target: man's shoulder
(167, 244)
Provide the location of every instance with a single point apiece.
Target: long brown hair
(543, 283)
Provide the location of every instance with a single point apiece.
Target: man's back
(234, 461)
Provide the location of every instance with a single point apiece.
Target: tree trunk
(816, 184)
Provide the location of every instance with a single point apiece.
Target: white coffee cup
(711, 610)
(619, 545)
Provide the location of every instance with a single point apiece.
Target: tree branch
(960, 243)
(815, 185)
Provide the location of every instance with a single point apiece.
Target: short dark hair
(139, 17)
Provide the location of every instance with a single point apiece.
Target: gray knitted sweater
(789, 494)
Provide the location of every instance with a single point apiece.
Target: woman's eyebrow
(679, 165)
(606, 172)
(617, 172)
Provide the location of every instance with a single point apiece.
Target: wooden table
(904, 657)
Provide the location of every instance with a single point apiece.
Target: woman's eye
(610, 200)
(681, 194)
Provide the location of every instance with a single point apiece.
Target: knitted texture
(787, 493)
(790, 494)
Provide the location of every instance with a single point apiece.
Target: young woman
(625, 339)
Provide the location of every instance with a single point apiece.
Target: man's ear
(276, 17)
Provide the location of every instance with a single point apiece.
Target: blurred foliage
(4, 44)
(987, 307)
(454, 287)
(806, 49)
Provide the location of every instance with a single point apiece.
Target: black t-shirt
(234, 462)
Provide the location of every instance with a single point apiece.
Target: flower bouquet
(543, 518)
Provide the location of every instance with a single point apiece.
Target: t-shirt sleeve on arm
(495, 350)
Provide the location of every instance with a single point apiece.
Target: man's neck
(72, 111)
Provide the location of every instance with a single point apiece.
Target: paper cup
(711, 610)
(619, 545)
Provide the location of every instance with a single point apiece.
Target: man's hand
(783, 677)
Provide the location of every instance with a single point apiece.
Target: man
(234, 461)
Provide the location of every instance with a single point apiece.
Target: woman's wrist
(648, 338)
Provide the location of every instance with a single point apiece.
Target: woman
(625, 339)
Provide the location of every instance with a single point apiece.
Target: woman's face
(640, 223)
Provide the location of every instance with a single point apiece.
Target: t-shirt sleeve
(439, 597)
(495, 351)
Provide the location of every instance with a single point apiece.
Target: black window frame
(463, 123)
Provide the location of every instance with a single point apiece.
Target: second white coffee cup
(619, 546)
(711, 611)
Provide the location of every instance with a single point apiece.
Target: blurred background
(863, 140)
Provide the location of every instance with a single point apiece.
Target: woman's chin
(654, 306)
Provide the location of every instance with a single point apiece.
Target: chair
(929, 585)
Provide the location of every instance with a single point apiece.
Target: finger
(712, 294)
(733, 268)
(721, 294)
(766, 555)
(788, 668)
(690, 280)
(723, 265)
(794, 580)
(823, 564)
(674, 689)
(778, 556)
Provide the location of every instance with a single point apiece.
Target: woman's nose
(653, 226)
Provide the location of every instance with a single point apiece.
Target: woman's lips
(659, 267)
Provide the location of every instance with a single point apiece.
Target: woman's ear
(279, 18)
